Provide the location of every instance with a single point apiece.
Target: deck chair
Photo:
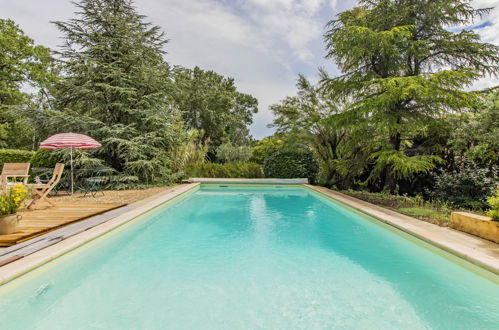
(42, 190)
(14, 171)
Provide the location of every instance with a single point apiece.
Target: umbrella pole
(71, 171)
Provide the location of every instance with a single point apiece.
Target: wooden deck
(38, 222)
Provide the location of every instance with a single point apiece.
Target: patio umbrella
(70, 140)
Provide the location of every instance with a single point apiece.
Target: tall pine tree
(115, 86)
(404, 66)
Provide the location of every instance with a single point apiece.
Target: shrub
(229, 153)
(15, 156)
(228, 170)
(265, 148)
(194, 150)
(493, 202)
(468, 188)
(287, 164)
(46, 158)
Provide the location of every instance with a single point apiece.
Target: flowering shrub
(12, 198)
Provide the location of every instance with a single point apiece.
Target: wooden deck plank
(38, 222)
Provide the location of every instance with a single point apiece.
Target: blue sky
(262, 44)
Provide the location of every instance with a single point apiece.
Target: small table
(93, 186)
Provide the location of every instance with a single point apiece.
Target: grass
(417, 207)
(431, 215)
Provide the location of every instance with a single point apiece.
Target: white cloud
(262, 44)
(489, 33)
(293, 23)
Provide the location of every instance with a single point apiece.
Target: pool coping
(478, 251)
(25, 264)
(297, 181)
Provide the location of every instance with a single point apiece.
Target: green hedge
(227, 170)
(291, 164)
(15, 156)
(46, 158)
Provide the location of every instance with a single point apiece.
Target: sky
(262, 44)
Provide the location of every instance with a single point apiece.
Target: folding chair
(14, 171)
(42, 190)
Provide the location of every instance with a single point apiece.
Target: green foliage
(22, 64)
(308, 119)
(15, 156)
(402, 166)
(193, 150)
(115, 88)
(211, 102)
(403, 69)
(467, 188)
(228, 170)
(431, 211)
(426, 213)
(481, 147)
(265, 147)
(292, 164)
(230, 153)
(46, 158)
(493, 204)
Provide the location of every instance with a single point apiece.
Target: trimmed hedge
(15, 156)
(227, 170)
(46, 158)
(291, 164)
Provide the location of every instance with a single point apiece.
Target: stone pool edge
(39, 258)
(477, 251)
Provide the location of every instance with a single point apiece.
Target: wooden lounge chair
(42, 190)
(13, 171)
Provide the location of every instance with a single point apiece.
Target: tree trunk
(390, 180)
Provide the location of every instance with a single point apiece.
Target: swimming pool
(238, 257)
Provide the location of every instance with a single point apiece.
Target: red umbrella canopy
(69, 140)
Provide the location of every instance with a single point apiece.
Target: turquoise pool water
(253, 258)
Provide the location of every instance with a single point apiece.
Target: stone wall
(475, 224)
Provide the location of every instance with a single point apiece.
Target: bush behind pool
(289, 164)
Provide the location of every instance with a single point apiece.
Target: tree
(266, 147)
(403, 68)
(116, 87)
(306, 119)
(230, 153)
(211, 102)
(481, 147)
(22, 64)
